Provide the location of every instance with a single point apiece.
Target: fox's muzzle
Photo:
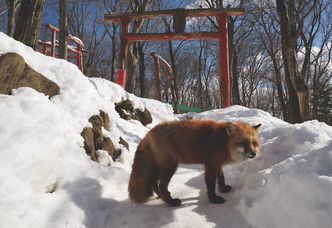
(249, 154)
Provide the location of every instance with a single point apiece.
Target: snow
(47, 180)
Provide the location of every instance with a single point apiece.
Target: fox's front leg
(221, 182)
(211, 172)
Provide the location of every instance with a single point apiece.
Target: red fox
(213, 144)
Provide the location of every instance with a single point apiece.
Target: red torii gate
(179, 20)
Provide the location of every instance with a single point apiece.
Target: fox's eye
(241, 144)
(254, 143)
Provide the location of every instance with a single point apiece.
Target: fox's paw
(225, 188)
(156, 191)
(217, 199)
(175, 202)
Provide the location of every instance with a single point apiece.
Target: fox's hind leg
(221, 182)
(166, 173)
(210, 180)
(155, 186)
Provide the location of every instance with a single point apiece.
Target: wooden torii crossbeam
(179, 20)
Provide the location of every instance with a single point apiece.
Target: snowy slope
(47, 180)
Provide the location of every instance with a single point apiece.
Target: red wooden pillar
(225, 87)
(121, 73)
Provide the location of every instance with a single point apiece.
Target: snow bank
(290, 184)
(47, 180)
(41, 150)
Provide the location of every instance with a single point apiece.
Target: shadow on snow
(106, 213)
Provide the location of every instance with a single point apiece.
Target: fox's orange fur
(194, 141)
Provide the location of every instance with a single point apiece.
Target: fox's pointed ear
(230, 129)
(257, 126)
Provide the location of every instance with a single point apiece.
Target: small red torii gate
(179, 20)
(50, 47)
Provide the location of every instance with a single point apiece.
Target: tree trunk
(137, 6)
(280, 91)
(29, 22)
(300, 110)
(141, 70)
(201, 104)
(113, 54)
(171, 55)
(233, 62)
(11, 17)
(235, 80)
(63, 35)
(132, 59)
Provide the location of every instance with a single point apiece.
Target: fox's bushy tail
(144, 175)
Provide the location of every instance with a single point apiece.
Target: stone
(98, 138)
(126, 111)
(89, 145)
(108, 146)
(95, 140)
(106, 120)
(124, 143)
(15, 73)
(116, 154)
(126, 105)
(97, 123)
(144, 117)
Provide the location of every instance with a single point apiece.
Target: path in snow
(187, 184)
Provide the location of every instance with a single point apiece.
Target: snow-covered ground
(47, 180)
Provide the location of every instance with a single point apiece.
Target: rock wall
(15, 73)
(95, 140)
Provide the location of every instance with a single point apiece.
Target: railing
(158, 60)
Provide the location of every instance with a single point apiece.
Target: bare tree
(12, 7)
(269, 36)
(63, 35)
(298, 88)
(320, 76)
(29, 22)
(111, 7)
(132, 55)
(88, 25)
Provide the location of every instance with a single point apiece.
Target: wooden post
(121, 73)
(79, 57)
(169, 81)
(53, 43)
(124, 41)
(44, 48)
(225, 88)
(157, 76)
(121, 77)
(174, 98)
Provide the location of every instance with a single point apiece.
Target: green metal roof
(183, 108)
